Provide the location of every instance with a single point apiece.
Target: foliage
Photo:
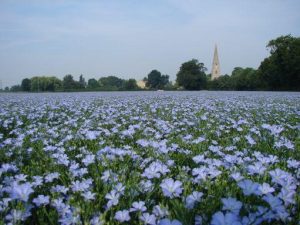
(69, 83)
(92, 83)
(16, 88)
(26, 84)
(222, 83)
(155, 80)
(244, 79)
(192, 76)
(49, 84)
(281, 70)
(130, 84)
(82, 83)
(112, 82)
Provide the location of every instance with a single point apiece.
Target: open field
(150, 158)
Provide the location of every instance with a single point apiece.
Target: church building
(215, 71)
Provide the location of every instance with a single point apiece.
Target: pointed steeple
(215, 71)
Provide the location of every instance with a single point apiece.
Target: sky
(129, 38)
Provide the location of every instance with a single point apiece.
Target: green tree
(281, 70)
(111, 83)
(191, 75)
(53, 84)
(93, 83)
(130, 84)
(82, 83)
(164, 81)
(222, 83)
(44, 83)
(69, 83)
(244, 79)
(26, 84)
(16, 88)
(155, 80)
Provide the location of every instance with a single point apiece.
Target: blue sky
(129, 38)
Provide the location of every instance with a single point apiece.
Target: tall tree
(82, 83)
(281, 70)
(164, 80)
(155, 80)
(130, 84)
(69, 83)
(192, 76)
(244, 79)
(111, 82)
(26, 84)
(93, 83)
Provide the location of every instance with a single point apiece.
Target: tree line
(68, 83)
(278, 72)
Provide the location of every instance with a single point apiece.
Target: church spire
(215, 71)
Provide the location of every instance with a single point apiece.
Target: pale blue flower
(138, 206)
(89, 159)
(96, 220)
(14, 216)
(232, 205)
(192, 199)
(88, 195)
(228, 219)
(21, 191)
(113, 198)
(249, 187)
(237, 176)
(288, 196)
(122, 216)
(146, 186)
(169, 222)
(171, 188)
(198, 220)
(120, 188)
(273, 201)
(148, 219)
(279, 176)
(51, 176)
(265, 188)
(41, 200)
(160, 211)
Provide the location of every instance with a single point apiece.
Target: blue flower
(122, 215)
(192, 199)
(169, 222)
(232, 205)
(171, 188)
(228, 219)
(113, 198)
(249, 187)
(265, 188)
(138, 206)
(41, 200)
(21, 191)
(148, 218)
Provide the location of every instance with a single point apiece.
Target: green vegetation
(192, 76)
(156, 81)
(278, 72)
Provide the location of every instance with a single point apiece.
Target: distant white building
(141, 84)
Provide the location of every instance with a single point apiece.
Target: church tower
(215, 71)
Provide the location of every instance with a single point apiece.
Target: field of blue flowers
(217, 158)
